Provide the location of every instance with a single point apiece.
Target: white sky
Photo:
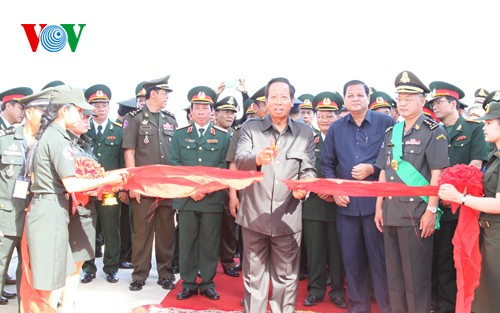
(318, 45)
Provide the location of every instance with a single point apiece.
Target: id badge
(21, 187)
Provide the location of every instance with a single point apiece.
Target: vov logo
(53, 37)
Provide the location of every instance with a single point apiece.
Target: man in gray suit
(271, 215)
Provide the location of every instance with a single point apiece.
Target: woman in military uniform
(51, 162)
(486, 298)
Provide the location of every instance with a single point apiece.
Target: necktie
(99, 132)
(201, 130)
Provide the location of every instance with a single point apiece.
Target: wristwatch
(463, 198)
(433, 209)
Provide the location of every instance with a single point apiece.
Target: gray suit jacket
(269, 207)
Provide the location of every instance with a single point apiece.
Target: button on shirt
(347, 145)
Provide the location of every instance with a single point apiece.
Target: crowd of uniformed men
(338, 239)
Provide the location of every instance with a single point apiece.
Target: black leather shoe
(339, 302)
(168, 283)
(10, 280)
(312, 300)
(175, 269)
(210, 293)
(87, 277)
(231, 271)
(125, 265)
(136, 285)
(186, 294)
(3, 301)
(9, 295)
(112, 277)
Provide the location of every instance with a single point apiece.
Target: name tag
(21, 187)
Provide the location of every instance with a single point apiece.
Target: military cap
(480, 95)
(40, 100)
(327, 101)
(160, 83)
(227, 103)
(202, 95)
(380, 99)
(492, 111)
(15, 94)
(371, 90)
(62, 94)
(462, 105)
(129, 103)
(87, 112)
(139, 90)
(307, 101)
(492, 96)
(53, 83)
(98, 93)
(428, 111)
(248, 106)
(259, 95)
(443, 89)
(407, 82)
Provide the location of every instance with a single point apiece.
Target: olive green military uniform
(486, 298)
(47, 221)
(466, 143)
(319, 219)
(150, 135)
(83, 222)
(108, 150)
(13, 149)
(408, 256)
(199, 221)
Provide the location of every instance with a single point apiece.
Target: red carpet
(230, 290)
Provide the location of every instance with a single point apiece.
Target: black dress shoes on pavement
(312, 300)
(112, 277)
(339, 302)
(186, 294)
(231, 271)
(9, 295)
(10, 280)
(125, 265)
(87, 277)
(136, 285)
(210, 293)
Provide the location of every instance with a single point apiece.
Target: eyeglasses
(163, 92)
(439, 101)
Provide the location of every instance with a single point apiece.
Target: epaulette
(186, 126)
(473, 121)
(431, 123)
(8, 131)
(219, 128)
(118, 124)
(168, 113)
(388, 129)
(134, 113)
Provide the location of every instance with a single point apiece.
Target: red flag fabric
(466, 253)
(355, 188)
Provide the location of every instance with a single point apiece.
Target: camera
(231, 83)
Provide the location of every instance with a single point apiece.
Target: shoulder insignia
(8, 131)
(168, 113)
(431, 123)
(388, 129)
(219, 128)
(186, 126)
(118, 124)
(473, 121)
(134, 113)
